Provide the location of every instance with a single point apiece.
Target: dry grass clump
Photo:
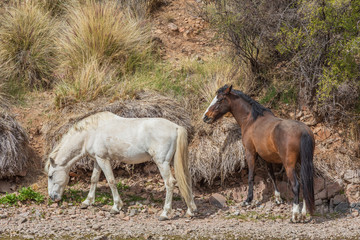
(27, 35)
(145, 105)
(14, 149)
(89, 82)
(104, 32)
(99, 43)
(216, 151)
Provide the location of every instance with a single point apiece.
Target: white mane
(88, 123)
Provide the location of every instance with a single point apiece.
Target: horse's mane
(256, 108)
(86, 123)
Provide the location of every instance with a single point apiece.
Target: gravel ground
(265, 221)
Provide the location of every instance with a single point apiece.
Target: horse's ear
(228, 90)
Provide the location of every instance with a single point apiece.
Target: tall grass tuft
(99, 43)
(89, 82)
(102, 31)
(27, 51)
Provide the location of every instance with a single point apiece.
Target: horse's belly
(270, 157)
(135, 159)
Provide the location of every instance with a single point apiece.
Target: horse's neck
(241, 110)
(71, 149)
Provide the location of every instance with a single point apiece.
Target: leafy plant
(24, 195)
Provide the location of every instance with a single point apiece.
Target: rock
(318, 202)
(3, 216)
(352, 176)
(173, 27)
(23, 220)
(321, 195)
(133, 212)
(218, 200)
(339, 198)
(355, 213)
(121, 214)
(96, 227)
(127, 218)
(342, 207)
(319, 184)
(353, 193)
(333, 189)
(7, 187)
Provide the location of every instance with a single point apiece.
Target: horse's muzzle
(208, 120)
(55, 197)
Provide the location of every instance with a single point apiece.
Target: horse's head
(58, 177)
(219, 105)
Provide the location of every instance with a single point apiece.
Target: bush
(24, 195)
(101, 31)
(27, 51)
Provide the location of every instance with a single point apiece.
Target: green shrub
(24, 195)
(27, 51)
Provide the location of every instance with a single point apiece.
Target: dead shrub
(15, 155)
(216, 151)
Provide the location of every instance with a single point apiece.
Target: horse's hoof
(113, 211)
(163, 218)
(279, 202)
(84, 206)
(245, 204)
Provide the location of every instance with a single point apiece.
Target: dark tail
(307, 170)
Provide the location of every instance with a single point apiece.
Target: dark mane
(256, 108)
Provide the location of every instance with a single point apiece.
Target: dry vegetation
(27, 50)
(15, 155)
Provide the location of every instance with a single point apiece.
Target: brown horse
(274, 139)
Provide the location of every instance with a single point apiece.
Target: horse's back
(274, 138)
(132, 140)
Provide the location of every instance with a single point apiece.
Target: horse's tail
(181, 166)
(307, 170)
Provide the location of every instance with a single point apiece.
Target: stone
(173, 27)
(333, 189)
(352, 176)
(7, 187)
(342, 207)
(339, 198)
(321, 195)
(133, 212)
(96, 227)
(319, 184)
(355, 213)
(218, 200)
(352, 192)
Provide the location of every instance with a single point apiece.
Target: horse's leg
(291, 174)
(169, 180)
(90, 199)
(107, 169)
(250, 157)
(278, 199)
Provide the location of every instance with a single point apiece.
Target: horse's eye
(50, 177)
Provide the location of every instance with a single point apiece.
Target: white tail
(181, 165)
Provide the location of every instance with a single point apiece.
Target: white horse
(107, 137)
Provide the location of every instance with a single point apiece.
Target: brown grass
(15, 155)
(27, 35)
(216, 151)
